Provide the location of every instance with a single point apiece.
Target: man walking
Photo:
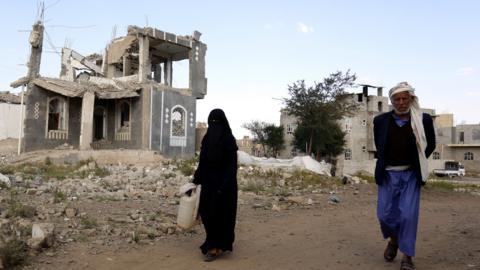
(404, 139)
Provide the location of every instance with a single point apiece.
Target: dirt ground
(324, 236)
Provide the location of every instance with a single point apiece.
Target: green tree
(274, 139)
(269, 136)
(257, 129)
(317, 109)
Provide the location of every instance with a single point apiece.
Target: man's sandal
(407, 265)
(390, 252)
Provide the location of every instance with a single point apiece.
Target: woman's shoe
(211, 255)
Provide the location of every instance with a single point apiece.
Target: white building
(10, 113)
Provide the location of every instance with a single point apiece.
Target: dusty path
(324, 236)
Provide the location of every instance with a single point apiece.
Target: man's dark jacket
(380, 133)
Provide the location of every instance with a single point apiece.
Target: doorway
(99, 123)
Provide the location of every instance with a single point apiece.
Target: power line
(51, 5)
(52, 46)
(71, 27)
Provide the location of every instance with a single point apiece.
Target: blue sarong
(398, 208)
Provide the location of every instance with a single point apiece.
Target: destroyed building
(121, 99)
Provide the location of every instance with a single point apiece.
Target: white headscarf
(417, 124)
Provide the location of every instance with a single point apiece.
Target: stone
(334, 199)
(276, 208)
(31, 191)
(38, 180)
(5, 180)
(296, 199)
(257, 206)
(70, 212)
(43, 235)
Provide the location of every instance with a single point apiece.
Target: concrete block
(43, 235)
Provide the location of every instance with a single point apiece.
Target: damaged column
(36, 41)
(127, 65)
(168, 72)
(67, 72)
(144, 65)
(86, 126)
(198, 81)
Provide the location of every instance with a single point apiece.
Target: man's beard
(397, 112)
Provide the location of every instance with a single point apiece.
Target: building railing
(122, 136)
(57, 134)
(178, 141)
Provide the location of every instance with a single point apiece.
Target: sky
(257, 48)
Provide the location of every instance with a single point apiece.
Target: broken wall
(36, 120)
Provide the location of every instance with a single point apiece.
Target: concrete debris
(276, 208)
(137, 203)
(5, 180)
(43, 235)
(334, 199)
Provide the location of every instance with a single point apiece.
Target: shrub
(59, 196)
(187, 166)
(7, 169)
(17, 209)
(14, 253)
(88, 222)
(253, 186)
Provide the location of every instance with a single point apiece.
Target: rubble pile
(45, 205)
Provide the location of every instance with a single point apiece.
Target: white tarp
(304, 162)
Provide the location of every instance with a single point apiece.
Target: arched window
(56, 114)
(468, 156)
(436, 155)
(348, 154)
(178, 126)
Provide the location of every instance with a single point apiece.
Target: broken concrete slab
(43, 235)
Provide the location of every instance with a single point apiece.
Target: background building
(10, 113)
(359, 153)
(460, 143)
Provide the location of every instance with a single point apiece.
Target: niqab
(218, 138)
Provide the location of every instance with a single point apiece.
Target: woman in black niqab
(217, 173)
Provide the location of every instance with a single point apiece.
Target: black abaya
(217, 173)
